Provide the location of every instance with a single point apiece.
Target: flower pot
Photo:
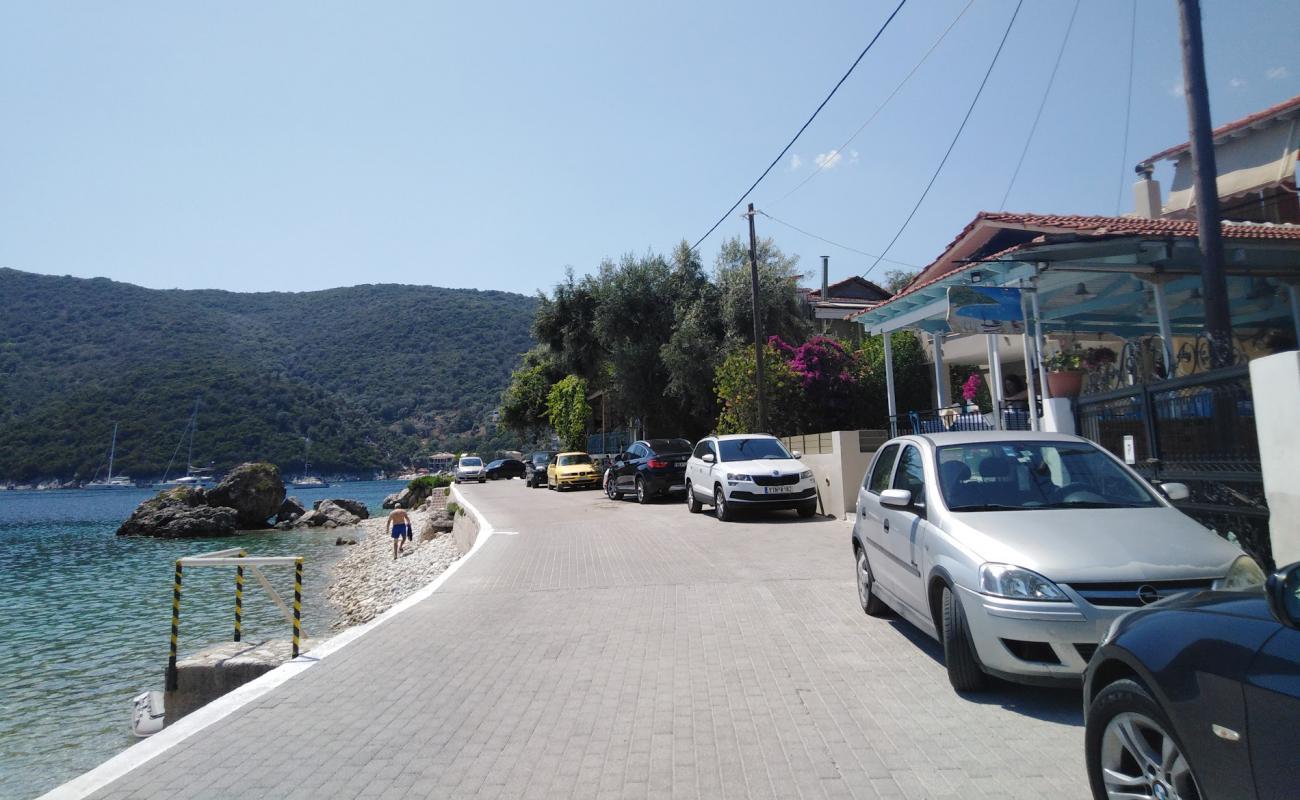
(1067, 383)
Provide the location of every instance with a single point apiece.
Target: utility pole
(758, 325)
(1218, 318)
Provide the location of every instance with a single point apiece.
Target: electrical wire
(1128, 109)
(786, 149)
(824, 165)
(953, 143)
(834, 244)
(1041, 104)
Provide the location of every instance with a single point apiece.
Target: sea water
(87, 618)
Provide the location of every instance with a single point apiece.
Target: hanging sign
(985, 309)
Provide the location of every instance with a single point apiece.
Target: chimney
(1146, 194)
(826, 278)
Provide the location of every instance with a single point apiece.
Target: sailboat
(307, 480)
(194, 477)
(121, 481)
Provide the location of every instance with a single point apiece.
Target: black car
(505, 468)
(535, 468)
(1199, 697)
(649, 468)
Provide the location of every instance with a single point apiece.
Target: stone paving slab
(615, 650)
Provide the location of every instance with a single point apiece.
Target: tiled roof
(1223, 130)
(816, 294)
(1042, 225)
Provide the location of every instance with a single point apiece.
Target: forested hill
(373, 374)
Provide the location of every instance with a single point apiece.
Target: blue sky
(295, 145)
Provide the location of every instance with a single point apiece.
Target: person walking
(399, 528)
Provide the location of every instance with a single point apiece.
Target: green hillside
(373, 374)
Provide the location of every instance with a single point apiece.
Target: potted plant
(1064, 372)
(970, 391)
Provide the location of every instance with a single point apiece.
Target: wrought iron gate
(1198, 430)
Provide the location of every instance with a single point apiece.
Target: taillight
(658, 463)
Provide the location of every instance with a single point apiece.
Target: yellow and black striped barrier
(239, 597)
(176, 627)
(297, 604)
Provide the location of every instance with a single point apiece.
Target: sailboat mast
(306, 448)
(194, 424)
(112, 449)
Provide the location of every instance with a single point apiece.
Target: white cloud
(1277, 73)
(829, 160)
(795, 162)
(1237, 83)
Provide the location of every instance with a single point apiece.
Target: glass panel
(911, 474)
(878, 481)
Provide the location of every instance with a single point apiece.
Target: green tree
(735, 386)
(780, 305)
(694, 350)
(568, 411)
(566, 323)
(897, 279)
(911, 377)
(524, 410)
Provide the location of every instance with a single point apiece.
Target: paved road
(614, 650)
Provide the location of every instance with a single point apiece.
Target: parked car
(649, 468)
(1017, 550)
(535, 468)
(470, 468)
(748, 471)
(571, 470)
(1198, 697)
(505, 468)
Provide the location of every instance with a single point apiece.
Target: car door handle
(886, 524)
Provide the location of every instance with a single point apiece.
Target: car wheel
(1130, 747)
(642, 496)
(964, 672)
(720, 508)
(807, 509)
(871, 602)
(611, 489)
(693, 504)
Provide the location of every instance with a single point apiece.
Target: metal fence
(940, 420)
(1198, 430)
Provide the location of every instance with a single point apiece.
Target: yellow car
(567, 470)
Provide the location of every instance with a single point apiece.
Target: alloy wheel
(864, 578)
(1139, 759)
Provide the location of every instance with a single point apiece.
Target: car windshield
(541, 458)
(495, 463)
(660, 446)
(1021, 476)
(571, 460)
(750, 449)
(471, 462)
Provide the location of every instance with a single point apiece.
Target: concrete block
(213, 671)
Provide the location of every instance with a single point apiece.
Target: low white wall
(1275, 389)
(839, 473)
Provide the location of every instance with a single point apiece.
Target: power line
(786, 149)
(1128, 108)
(834, 244)
(1041, 104)
(823, 166)
(952, 144)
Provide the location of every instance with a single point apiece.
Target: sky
(305, 145)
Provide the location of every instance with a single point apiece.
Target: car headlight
(806, 474)
(1244, 574)
(1015, 583)
(733, 477)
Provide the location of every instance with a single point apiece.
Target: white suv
(748, 471)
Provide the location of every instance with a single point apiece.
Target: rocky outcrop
(354, 507)
(434, 524)
(180, 513)
(290, 510)
(330, 514)
(255, 491)
(403, 497)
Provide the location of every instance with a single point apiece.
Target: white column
(1166, 329)
(1039, 343)
(889, 382)
(995, 377)
(1030, 395)
(940, 372)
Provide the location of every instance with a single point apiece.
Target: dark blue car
(1199, 697)
(649, 468)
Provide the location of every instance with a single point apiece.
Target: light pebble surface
(368, 581)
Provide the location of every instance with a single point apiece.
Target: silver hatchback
(1017, 550)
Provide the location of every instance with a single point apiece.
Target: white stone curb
(143, 752)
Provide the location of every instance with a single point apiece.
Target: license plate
(780, 489)
(679, 463)
(678, 488)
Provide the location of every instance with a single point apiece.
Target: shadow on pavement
(1063, 706)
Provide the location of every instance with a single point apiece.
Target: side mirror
(1283, 589)
(796, 454)
(896, 498)
(1176, 491)
(708, 458)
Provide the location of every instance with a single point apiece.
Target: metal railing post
(239, 597)
(297, 604)
(176, 627)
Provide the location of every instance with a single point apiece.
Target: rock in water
(333, 512)
(254, 490)
(289, 511)
(311, 519)
(179, 513)
(354, 507)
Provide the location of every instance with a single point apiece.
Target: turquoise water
(88, 619)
